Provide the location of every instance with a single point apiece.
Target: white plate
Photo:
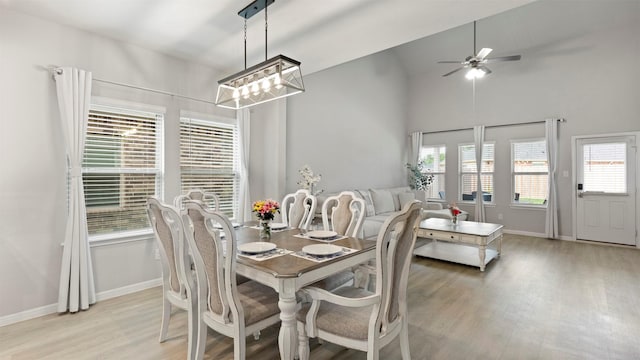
(321, 249)
(322, 234)
(257, 247)
(278, 226)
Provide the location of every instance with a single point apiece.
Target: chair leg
(201, 343)
(166, 315)
(303, 342)
(404, 340)
(239, 347)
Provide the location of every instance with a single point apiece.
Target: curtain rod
(58, 71)
(492, 126)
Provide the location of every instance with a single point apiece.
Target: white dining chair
(229, 308)
(177, 282)
(298, 209)
(344, 214)
(211, 199)
(360, 319)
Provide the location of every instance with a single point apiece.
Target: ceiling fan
(475, 64)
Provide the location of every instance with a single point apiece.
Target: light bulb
(245, 92)
(276, 81)
(255, 88)
(236, 93)
(266, 84)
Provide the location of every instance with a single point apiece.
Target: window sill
(528, 207)
(121, 237)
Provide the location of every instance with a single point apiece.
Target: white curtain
(416, 144)
(551, 134)
(478, 137)
(244, 211)
(77, 290)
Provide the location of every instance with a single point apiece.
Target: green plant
(418, 178)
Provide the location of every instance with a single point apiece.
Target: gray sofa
(380, 203)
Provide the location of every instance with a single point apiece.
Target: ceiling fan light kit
(274, 78)
(475, 64)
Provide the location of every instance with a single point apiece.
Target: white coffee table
(465, 242)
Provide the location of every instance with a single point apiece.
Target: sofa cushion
(372, 225)
(382, 201)
(369, 209)
(405, 198)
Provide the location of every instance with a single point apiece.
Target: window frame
(132, 107)
(442, 173)
(461, 173)
(207, 119)
(513, 202)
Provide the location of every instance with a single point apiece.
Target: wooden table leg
(482, 252)
(288, 337)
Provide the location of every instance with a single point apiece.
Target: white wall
(32, 156)
(587, 73)
(350, 125)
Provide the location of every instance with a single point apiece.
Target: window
(122, 167)
(433, 159)
(209, 159)
(530, 172)
(605, 167)
(467, 170)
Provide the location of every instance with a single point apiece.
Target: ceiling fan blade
(486, 70)
(451, 72)
(504, 58)
(483, 53)
(449, 62)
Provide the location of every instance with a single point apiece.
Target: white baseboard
(534, 234)
(129, 289)
(53, 308)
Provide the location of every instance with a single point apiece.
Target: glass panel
(436, 190)
(605, 168)
(117, 202)
(433, 158)
(531, 189)
(469, 186)
(468, 158)
(121, 168)
(530, 157)
(209, 159)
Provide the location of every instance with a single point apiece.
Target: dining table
(290, 271)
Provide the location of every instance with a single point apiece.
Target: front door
(606, 189)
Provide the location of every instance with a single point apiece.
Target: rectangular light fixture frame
(271, 79)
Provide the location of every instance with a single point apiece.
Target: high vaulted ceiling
(320, 34)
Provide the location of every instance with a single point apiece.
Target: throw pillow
(368, 208)
(405, 198)
(382, 201)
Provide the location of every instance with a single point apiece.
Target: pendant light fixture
(271, 79)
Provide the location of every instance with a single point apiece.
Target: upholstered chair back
(298, 209)
(344, 214)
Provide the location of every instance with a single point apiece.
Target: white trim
(128, 105)
(534, 234)
(194, 116)
(53, 308)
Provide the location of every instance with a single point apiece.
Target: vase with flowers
(455, 211)
(309, 180)
(265, 211)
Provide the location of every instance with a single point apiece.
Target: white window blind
(433, 159)
(530, 172)
(209, 160)
(468, 171)
(122, 167)
(605, 167)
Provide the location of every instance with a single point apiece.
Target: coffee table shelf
(465, 242)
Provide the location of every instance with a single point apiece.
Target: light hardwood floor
(543, 299)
